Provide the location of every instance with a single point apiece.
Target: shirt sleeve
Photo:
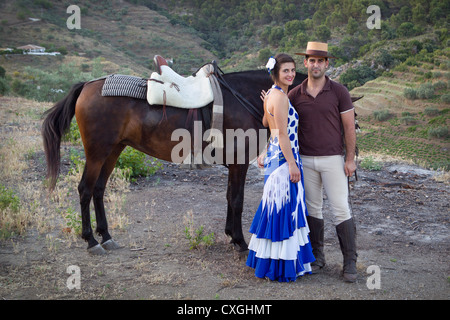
(345, 101)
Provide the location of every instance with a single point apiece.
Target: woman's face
(286, 75)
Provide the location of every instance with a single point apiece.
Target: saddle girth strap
(216, 131)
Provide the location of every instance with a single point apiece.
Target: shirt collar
(326, 87)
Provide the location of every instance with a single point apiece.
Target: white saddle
(171, 89)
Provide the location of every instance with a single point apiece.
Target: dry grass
(19, 121)
(20, 149)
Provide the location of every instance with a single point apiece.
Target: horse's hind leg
(102, 225)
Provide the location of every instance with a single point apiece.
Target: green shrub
(408, 119)
(385, 59)
(358, 75)
(382, 115)
(73, 220)
(4, 86)
(425, 91)
(445, 98)
(73, 134)
(138, 163)
(439, 132)
(401, 67)
(439, 85)
(196, 237)
(369, 163)
(410, 93)
(8, 199)
(12, 220)
(431, 111)
(264, 55)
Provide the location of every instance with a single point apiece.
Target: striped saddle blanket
(117, 85)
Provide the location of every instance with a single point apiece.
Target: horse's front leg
(235, 199)
(85, 190)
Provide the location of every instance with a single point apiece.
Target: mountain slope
(126, 34)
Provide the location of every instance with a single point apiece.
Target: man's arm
(348, 123)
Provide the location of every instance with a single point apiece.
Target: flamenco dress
(279, 247)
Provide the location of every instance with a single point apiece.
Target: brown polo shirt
(320, 118)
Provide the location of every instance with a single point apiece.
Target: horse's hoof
(110, 245)
(97, 250)
(239, 246)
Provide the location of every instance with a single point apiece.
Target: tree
(323, 33)
(291, 28)
(301, 40)
(385, 59)
(264, 55)
(276, 35)
(357, 76)
(419, 16)
(352, 26)
(406, 29)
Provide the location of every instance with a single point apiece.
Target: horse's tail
(56, 123)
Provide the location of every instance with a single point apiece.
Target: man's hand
(349, 167)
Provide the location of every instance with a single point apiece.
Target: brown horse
(109, 124)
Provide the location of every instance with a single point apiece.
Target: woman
(279, 248)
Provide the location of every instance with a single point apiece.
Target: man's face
(316, 66)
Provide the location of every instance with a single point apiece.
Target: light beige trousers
(326, 172)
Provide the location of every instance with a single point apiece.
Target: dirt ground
(401, 212)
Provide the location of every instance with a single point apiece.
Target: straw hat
(316, 49)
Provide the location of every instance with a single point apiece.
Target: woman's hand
(261, 160)
(263, 95)
(294, 172)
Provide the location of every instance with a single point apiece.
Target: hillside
(408, 54)
(405, 110)
(409, 130)
(127, 35)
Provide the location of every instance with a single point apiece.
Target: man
(325, 109)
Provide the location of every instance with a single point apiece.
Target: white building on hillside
(32, 49)
(36, 50)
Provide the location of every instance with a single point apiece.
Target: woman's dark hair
(280, 58)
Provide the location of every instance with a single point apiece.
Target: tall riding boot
(346, 232)
(316, 228)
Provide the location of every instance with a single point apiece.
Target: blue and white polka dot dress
(279, 248)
